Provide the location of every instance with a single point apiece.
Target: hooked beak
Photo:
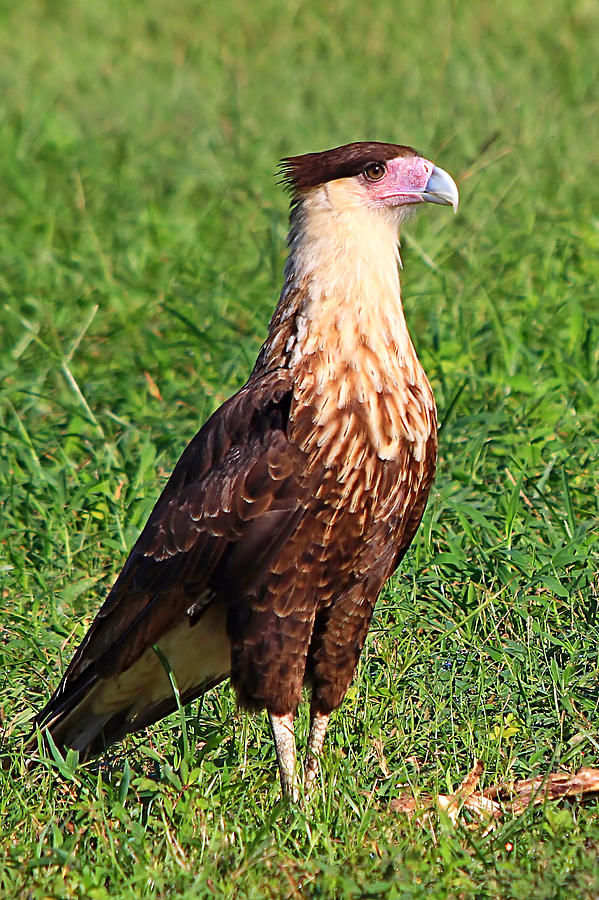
(441, 188)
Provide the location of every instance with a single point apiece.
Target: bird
(263, 558)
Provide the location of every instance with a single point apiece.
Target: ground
(142, 245)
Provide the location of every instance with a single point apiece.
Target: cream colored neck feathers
(349, 340)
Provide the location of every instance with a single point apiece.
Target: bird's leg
(318, 728)
(282, 729)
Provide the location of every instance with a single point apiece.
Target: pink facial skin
(404, 182)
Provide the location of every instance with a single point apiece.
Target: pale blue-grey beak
(441, 188)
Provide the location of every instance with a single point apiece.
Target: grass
(142, 244)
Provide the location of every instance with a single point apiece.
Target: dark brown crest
(303, 172)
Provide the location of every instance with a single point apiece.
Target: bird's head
(369, 175)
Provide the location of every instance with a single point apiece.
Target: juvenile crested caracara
(264, 556)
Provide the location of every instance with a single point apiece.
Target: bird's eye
(374, 171)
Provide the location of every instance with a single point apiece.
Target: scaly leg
(318, 728)
(282, 729)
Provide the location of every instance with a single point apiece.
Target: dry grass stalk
(490, 806)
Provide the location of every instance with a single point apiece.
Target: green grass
(142, 244)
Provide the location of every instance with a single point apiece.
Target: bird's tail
(92, 713)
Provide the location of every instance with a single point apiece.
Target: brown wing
(231, 502)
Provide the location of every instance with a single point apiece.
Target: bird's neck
(339, 325)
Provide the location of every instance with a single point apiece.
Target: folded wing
(235, 496)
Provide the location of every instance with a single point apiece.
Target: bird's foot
(318, 727)
(282, 729)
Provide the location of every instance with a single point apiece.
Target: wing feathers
(233, 499)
